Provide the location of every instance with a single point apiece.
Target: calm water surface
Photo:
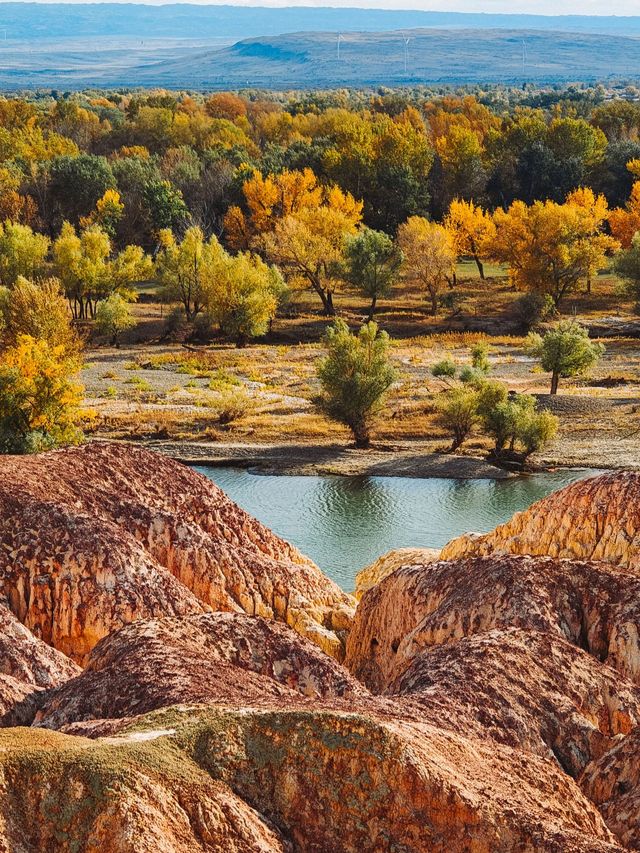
(344, 523)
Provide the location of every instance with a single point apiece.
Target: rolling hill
(308, 60)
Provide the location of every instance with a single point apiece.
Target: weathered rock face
(95, 537)
(296, 780)
(217, 658)
(593, 519)
(526, 689)
(27, 665)
(65, 794)
(503, 718)
(612, 782)
(384, 566)
(592, 605)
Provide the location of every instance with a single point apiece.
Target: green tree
(355, 376)
(372, 263)
(514, 421)
(90, 271)
(23, 252)
(243, 297)
(38, 309)
(457, 412)
(627, 266)
(77, 183)
(39, 402)
(188, 268)
(564, 351)
(113, 316)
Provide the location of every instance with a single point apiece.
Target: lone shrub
(458, 413)
(564, 351)
(355, 376)
(113, 317)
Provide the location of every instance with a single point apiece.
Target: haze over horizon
(584, 8)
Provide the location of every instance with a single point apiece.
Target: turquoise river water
(344, 523)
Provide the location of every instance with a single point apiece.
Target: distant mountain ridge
(65, 20)
(182, 46)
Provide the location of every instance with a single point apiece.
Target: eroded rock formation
(496, 710)
(214, 658)
(593, 519)
(384, 566)
(595, 606)
(27, 666)
(96, 537)
(612, 782)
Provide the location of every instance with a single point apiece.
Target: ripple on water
(345, 523)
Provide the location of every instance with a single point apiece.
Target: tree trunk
(362, 436)
(372, 307)
(434, 302)
(480, 266)
(554, 382)
(329, 310)
(588, 284)
(241, 341)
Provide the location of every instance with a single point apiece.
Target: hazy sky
(540, 7)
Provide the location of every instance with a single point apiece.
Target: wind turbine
(406, 40)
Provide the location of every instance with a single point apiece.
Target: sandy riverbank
(402, 460)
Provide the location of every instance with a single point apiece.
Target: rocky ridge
(124, 534)
(593, 519)
(486, 704)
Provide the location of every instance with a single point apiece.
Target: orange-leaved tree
(472, 229)
(298, 224)
(551, 247)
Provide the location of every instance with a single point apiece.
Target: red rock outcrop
(527, 689)
(503, 718)
(612, 782)
(27, 665)
(593, 519)
(216, 658)
(192, 779)
(95, 537)
(66, 794)
(595, 606)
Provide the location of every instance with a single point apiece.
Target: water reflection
(344, 523)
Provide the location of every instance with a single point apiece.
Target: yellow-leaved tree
(300, 225)
(472, 230)
(90, 271)
(23, 252)
(188, 268)
(551, 247)
(429, 257)
(39, 400)
(625, 221)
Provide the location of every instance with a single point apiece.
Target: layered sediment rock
(64, 794)
(99, 536)
(612, 782)
(217, 658)
(527, 689)
(291, 779)
(595, 606)
(384, 566)
(27, 666)
(497, 709)
(593, 519)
